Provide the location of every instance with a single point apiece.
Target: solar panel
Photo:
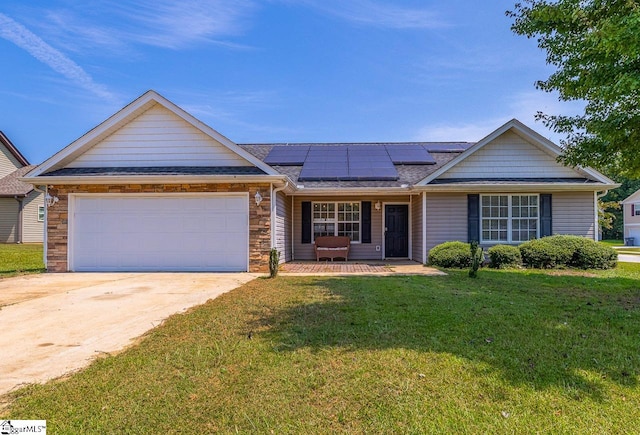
(447, 147)
(409, 154)
(370, 163)
(325, 163)
(287, 155)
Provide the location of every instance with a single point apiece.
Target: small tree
(476, 259)
(274, 262)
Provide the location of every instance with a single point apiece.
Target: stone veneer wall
(259, 216)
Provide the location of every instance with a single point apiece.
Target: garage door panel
(160, 233)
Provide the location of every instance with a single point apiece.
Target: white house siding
(32, 229)
(573, 213)
(8, 220)
(416, 228)
(283, 226)
(509, 156)
(158, 137)
(358, 251)
(446, 218)
(8, 162)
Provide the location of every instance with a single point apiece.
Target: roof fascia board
(155, 179)
(537, 187)
(534, 137)
(634, 197)
(139, 104)
(4, 140)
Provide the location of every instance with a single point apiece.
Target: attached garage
(159, 232)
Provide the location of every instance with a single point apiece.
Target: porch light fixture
(378, 205)
(258, 198)
(50, 200)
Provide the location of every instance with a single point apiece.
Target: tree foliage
(595, 46)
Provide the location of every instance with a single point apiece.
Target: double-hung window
(337, 219)
(509, 218)
(41, 213)
(636, 209)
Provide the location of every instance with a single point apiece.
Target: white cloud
(56, 60)
(378, 14)
(522, 106)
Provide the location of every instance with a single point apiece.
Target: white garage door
(154, 233)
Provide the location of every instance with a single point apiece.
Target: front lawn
(17, 259)
(509, 352)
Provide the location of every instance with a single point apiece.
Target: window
(41, 213)
(336, 219)
(509, 218)
(636, 209)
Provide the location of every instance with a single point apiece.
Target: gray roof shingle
(11, 186)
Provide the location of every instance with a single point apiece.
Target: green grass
(612, 243)
(509, 352)
(19, 259)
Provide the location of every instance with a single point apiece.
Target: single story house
(21, 206)
(631, 217)
(153, 188)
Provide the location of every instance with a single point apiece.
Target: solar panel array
(357, 162)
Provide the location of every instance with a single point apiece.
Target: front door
(396, 234)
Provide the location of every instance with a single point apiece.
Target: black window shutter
(546, 227)
(306, 222)
(366, 221)
(473, 217)
(633, 209)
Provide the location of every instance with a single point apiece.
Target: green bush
(451, 254)
(503, 256)
(567, 251)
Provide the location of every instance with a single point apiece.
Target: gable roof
(633, 198)
(532, 137)
(11, 186)
(123, 117)
(4, 140)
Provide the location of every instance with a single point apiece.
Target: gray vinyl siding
(573, 213)
(32, 230)
(358, 251)
(8, 220)
(8, 162)
(283, 226)
(416, 228)
(446, 218)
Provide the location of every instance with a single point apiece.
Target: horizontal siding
(358, 251)
(416, 228)
(573, 213)
(283, 226)
(8, 220)
(628, 219)
(158, 138)
(446, 218)
(8, 162)
(507, 156)
(32, 230)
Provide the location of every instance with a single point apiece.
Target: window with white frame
(41, 213)
(336, 219)
(636, 209)
(509, 218)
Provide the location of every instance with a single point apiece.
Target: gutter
(155, 179)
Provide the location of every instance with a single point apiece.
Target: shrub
(477, 258)
(570, 251)
(503, 256)
(451, 254)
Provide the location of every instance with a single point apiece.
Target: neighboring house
(153, 188)
(21, 206)
(631, 215)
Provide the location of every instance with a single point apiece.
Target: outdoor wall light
(50, 200)
(258, 198)
(378, 205)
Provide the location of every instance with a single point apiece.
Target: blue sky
(270, 70)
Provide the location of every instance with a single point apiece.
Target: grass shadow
(570, 332)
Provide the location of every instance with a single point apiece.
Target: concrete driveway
(53, 324)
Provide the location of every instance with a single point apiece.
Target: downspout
(44, 224)
(424, 227)
(274, 209)
(293, 230)
(19, 228)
